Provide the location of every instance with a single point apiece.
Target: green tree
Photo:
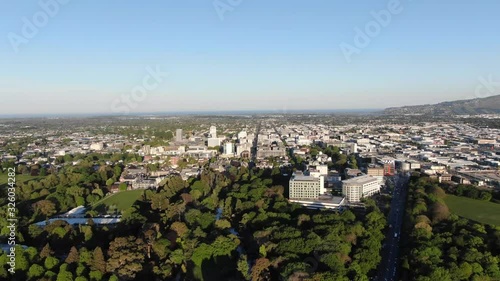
(35, 272)
(126, 256)
(51, 263)
(73, 256)
(98, 261)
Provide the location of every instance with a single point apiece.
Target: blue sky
(267, 55)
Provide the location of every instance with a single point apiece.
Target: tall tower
(213, 132)
(178, 135)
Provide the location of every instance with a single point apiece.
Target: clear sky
(261, 54)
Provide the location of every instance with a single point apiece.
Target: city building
(97, 146)
(444, 177)
(242, 135)
(306, 187)
(178, 135)
(352, 173)
(323, 202)
(229, 148)
(243, 150)
(275, 149)
(213, 142)
(213, 132)
(356, 188)
(389, 169)
(320, 169)
(376, 172)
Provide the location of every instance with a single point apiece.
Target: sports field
(121, 200)
(477, 210)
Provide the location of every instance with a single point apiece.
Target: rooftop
(360, 180)
(304, 178)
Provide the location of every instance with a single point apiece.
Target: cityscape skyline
(249, 140)
(248, 56)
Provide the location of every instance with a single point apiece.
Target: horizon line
(190, 112)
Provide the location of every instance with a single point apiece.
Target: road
(388, 270)
(255, 145)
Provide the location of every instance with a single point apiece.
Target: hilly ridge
(487, 105)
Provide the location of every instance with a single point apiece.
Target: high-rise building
(242, 135)
(229, 148)
(306, 187)
(178, 135)
(213, 132)
(243, 148)
(146, 149)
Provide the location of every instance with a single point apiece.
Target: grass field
(477, 210)
(121, 200)
(19, 178)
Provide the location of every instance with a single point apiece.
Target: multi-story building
(389, 169)
(376, 172)
(213, 142)
(213, 132)
(178, 135)
(320, 169)
(242, 135)
(98, 146)
(306, 187)
(229, 148)
(273, 150)
(356, 188)
(445, 177)
(243, 150)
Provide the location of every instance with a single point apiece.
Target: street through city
(388, 270)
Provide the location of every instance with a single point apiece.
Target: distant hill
(488, 105)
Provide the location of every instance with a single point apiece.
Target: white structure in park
(78, 212)
(356, 188)
(81, 221)
(324, 202)
(76, 216)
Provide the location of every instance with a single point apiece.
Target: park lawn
(476, 210)
(19, 178)
(122, 200)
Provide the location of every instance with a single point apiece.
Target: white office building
(229, 148)
(213, 142)
(306, 187)
(356, 188)
(97, 146)
(323, 169)
(242, 135)
(213, 132)
(178, 135)
(243, 148)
